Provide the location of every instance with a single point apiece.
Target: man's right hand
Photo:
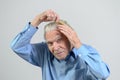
(46, 16)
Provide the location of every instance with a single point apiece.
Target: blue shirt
(81, 64)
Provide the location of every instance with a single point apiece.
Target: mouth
(59, 53)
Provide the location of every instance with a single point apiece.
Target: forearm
(36, 21)
(23, 38)
(45, 16)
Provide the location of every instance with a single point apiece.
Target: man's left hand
(70, 34)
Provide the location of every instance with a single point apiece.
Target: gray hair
(53, 25)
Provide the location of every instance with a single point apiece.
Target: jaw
(61, 55)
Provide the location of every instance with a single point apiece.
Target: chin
(60, 58)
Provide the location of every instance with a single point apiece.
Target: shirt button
(79, 55)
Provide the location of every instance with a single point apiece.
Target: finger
(68, 36)
(65, 32)
(57, 18)
(51, 16)
(63, 25)
(65, 28)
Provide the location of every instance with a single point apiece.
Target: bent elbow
(16, 47)
(12, 46)
(104, 73)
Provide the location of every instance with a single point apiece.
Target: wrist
(78, 44)
(36, 21)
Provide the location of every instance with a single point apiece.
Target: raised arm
(21, 43)
(46, 16)
(86, 53)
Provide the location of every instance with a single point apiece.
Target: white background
(97, 23)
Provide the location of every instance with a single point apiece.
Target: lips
(58, 52)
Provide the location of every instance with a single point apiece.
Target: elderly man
(63, 56)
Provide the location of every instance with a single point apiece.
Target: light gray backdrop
(97, 23)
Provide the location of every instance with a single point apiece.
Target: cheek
(66, 45)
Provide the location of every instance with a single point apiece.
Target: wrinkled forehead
(53, 25)
(53, 35)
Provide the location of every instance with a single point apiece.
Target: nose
(55, 46)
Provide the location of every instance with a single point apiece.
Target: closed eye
(49, 43)
(59, 40)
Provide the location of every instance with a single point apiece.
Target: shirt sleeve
(21, 45)
(93, 61)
